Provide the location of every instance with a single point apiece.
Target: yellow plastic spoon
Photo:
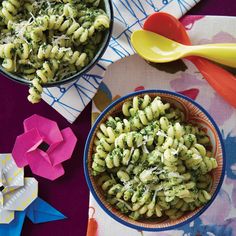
(156, 48)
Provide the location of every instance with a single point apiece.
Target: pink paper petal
(23, 143)
(41, 167)
(48, 129)
(64, 150)
(45, 156)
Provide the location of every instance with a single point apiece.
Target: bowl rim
(86, 150)
(77, 76)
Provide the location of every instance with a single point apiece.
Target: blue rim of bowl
(86, 171)
(76, 76)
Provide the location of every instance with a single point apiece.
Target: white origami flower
(16, 192)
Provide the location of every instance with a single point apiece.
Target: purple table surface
(69, 194)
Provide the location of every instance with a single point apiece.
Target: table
(69, 194)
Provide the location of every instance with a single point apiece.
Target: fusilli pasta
(47, 41)
(150, 162)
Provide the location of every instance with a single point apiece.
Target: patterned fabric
(71, 99)
(182, 76)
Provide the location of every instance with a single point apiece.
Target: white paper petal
(1, 200)
(13, 175)
(6, 216)
(2, 178)
(22, 197)
(18, 192)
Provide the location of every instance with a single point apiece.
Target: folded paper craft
(16, 192)
(44, 147)
(18, 198)
(14, 228)
(38, 212)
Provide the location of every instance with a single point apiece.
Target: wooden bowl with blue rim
(194, 114)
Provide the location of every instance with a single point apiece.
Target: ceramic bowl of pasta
(154, 160)
(47, 43)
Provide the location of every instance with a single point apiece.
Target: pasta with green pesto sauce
(150, 163)
(47, 41)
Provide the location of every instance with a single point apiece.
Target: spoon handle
(221, 80)
(222, 53)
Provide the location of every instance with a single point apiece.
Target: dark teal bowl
(107, 6)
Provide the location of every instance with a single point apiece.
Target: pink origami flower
(44, 147)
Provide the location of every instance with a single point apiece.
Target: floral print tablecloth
(183, 77)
